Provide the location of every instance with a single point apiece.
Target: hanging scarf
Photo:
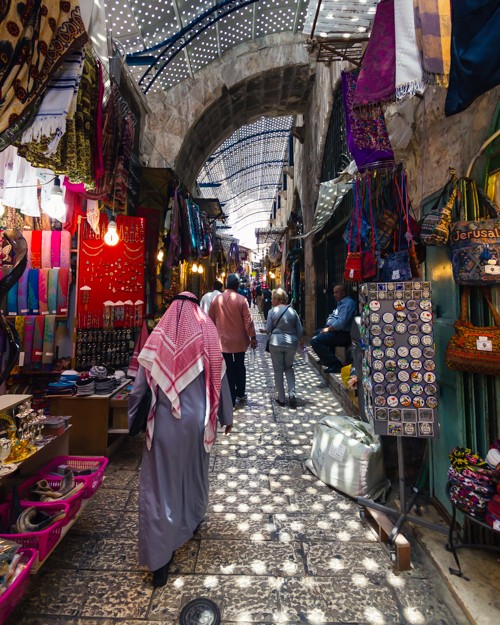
(46, 249)
(36, 249)
(27, 236)
(475, 53)
(433, 35)
(174, 248)
(55, 248)
(65, 254)
(63, 276)
(37, 351)
(43, 291)
(49, 339)
(36, 37)
(98, 156)
(367, 136)
(12, 300)
(376, 82)
(52, 291)
(29, 331)
(409, 77)
(33, 291)
(22, 293)
(19, 325)
(183, 344)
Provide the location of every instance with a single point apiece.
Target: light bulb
(160, 255)
(56, 208)
(194, 268)
(111, 237)
(200, 268)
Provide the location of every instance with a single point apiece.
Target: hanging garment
(174, 248)
(52, 291)
(376, 82)
(37, 351)
(409, 75)
(55, 248)
(35, 37)
(367, 136)
(46, 249)
(43, 291)
(22, 293)
(29, 332)
(33, 291)
(49, 340)
(475, 53)
(433, 35)
(63, 278)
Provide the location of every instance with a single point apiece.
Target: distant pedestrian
(266, 301)
(231, 314)
(208, 298)
(259, 299)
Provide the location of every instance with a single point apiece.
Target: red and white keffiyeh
(183, 344)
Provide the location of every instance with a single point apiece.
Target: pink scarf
(183, 344)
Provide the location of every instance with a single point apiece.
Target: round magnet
(429, 365)
(426, 315)
(429, 352)
(412, 305)
(399, 304)
(392, 388)
(426, 293)
(381, 414)
(405, 400)
(401, 328)
(403, 351)
(417, 389)
(388, 329)
(389, 341)
(377, 365)
(382, 295)
(417, 294)
(413, 340)
(417, 285)
(416, 365)
(378, 377)
(403, 363)
(388, 317)
(413, 317)
(392, 401)
(390, 286)
(425, 304)
(378, 353)
(394, 415)
(374, 317)
(407, 295)
(415, 352)
(429, 377)
(413, 328)
(404, 388)
(427, 340)
(379, 389)
(403, 376)
(390, 365)
(431, 402)
(376, 330)
(400, 316)
(375, 305)
(430, 389)
(390, 352)
(416, 377)
(418, 402)
(390, 376)
(379, 401)
(376, 341)
(426, 328)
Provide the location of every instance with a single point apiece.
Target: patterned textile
(366, 134)
(35, 38)
(433, 30)
(43, 291)
(55, 248)
(377, 78)
(33, 291)
(37, 351)
(22, 293)
(49, 339)
(52, 291)
(176, 352)
(46, 249)
(29, 331)
(63, 277)
(409, 79)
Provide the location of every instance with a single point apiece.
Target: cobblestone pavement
(277, 545)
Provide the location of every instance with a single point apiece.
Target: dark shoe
(241, 398)
(292, 401)
(280, 403)
(333, 369)
(160, 576)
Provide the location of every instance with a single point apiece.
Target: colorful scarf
(409, 76)
(65, 254)
(183, 344)
(98, 156)
(27, 236)
(367, 136)
(37, 351)
(475, 53)
(29, 331)
(62, 291)
(36, 37)
(43, 291)
(19, 325)
(52, 291)
(36, 249)
(376, 82)
(12, 300)
(49, 339)
(33, 291)
(433, 34)
(55, 249)
(22, 293)
(46, 249)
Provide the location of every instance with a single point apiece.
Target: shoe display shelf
(14, 593)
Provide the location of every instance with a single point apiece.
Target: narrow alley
(277, 545)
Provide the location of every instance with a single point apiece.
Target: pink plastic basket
(80, 463)
(14, 593)
(43, 541)
(74, 502)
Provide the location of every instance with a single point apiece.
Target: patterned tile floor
(277, 545)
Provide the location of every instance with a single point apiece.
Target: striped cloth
(433, 30)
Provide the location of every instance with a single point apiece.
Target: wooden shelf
(11, 401)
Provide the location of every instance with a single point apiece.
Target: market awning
(210, 206)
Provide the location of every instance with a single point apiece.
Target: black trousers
(236, 374)
(324, 345)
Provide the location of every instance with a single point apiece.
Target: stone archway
(271, 76)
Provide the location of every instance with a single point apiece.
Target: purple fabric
(367, 136)
(377, 78)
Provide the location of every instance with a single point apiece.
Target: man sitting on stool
(337, 331)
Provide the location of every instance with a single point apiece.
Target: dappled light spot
(281, 616)
(414, 616)
(257, 537)
(344, 537)
(316, 616)
(227, 570)
(370, 564)
(335, 516)
(178, 583)
(336, 564)
(289, 567)
(395, 581)
(244, 581)
(374, 616)
(360, 580)
(258, 567)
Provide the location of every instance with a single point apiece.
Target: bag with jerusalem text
(475, 243)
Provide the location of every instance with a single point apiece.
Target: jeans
(324, 345)
(236, 374)
(282, 359)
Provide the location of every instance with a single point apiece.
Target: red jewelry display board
(110, 283)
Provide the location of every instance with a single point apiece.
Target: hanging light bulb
(200, 268)
(160, 255)
(194, 268)
(56, 208)
(111, 237)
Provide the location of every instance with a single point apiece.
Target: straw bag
(472, 348)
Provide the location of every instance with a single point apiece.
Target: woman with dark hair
(182, 364)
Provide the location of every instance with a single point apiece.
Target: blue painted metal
(261, 165)
(175, 44)
(247, 139)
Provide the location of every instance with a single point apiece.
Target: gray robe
(173, 494)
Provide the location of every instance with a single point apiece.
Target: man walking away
(336, 333)
(208, 298)
(231, 314)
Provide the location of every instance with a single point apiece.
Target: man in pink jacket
(231, 314)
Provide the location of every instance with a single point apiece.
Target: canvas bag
(353, 271)
(475, 245)
(435, 226)
(473, 348)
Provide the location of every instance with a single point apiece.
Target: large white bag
(347, 455)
